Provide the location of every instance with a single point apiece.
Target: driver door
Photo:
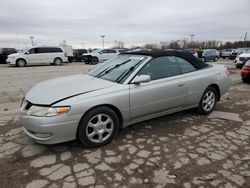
(167, 89)
(104, 55)
(31, 56)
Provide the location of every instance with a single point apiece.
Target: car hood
(13, 55)
(244, 55)
(51, 91)
(91, 54)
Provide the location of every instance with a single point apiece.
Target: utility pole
(245, 40)
(192, 38)
(102, 41)
(31, 38)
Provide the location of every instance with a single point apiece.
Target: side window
(111, 51)
(161, 67)
(185, 65)
(103, 52)
(40, 50)
(56, 50)
(48, 50)
(32, 51)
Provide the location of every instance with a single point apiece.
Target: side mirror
(141, 79)
(27, 52)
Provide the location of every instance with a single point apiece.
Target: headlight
(43, 111)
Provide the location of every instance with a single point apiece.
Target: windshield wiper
(125, 73)
(107, 70)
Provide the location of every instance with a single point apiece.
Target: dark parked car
(78, 54)
(237, 52)
(4, 52)
(226, 53)
(192, 51)
(210, 55)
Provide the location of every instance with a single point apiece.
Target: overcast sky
(82, 22)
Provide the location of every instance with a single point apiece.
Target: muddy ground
(179, 150)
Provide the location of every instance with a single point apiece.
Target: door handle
(182, 84)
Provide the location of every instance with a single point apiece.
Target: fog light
(43, 135)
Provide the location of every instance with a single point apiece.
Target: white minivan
(38, 55)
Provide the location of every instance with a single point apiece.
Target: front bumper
(49, 130)
(238, 63)
(11, 61)
(245, 74)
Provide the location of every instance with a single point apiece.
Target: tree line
(184, 44)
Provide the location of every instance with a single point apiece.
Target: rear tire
(98, 127)
(208, 101)
(20, 63)
(244, 80)
(94, 60)
(57, 61)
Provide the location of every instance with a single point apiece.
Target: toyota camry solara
(130, 88)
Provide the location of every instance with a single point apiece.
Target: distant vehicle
(38, 55)
(99, 55)
(210, 55)
(4, 52)
(245, 72)
(226, 53)
(68, 50)
(139, 49)
(242, 59)
(237, 52)
(122, 50)
(125, 90)
(78, 54)
(192, 51)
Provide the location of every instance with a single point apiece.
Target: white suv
(242, 59)
(38, 55)
(99, 55)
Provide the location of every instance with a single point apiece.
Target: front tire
(245, 80)
(94, 60)
(216, 59)
(208, 101)
(98, 127)
(20, 63)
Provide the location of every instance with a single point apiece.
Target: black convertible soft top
(160, 53)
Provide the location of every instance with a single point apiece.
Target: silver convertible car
(130, 88)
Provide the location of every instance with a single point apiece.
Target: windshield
(118, 68)
(24, 50)
(247, 50)
(96, 51)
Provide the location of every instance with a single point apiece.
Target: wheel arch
(21, 58)
(215, 86)
(58, 58)
(95, 57)
(114, 108)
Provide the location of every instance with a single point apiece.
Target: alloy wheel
(99, 128)
(208, 101)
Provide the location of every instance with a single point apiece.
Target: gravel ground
(179, 150)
